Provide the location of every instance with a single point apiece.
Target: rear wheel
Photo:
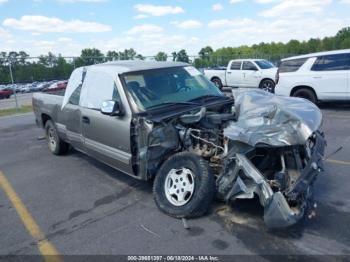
(56, 145)
(307, 94)
(217, 82)
(184, 186)
(267, 85)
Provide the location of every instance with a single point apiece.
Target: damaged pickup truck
(166, 122)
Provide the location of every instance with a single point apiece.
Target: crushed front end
(276, 152)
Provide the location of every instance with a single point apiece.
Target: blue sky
(149, 26)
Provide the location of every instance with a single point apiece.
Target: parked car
(40, 86)
(165, 121)
(323, 76)
(56, 86)
(5, 93)
(255, 73)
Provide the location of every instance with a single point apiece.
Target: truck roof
(344, 51)
(119, 67)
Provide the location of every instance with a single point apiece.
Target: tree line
(50, 66)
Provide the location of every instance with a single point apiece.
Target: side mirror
(112, 108)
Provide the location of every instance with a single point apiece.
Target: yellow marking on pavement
(338, 162)
(45, 247)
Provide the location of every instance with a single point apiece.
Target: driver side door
(250, 75)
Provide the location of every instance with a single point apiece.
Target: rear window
(332, 63)
(236, 65)
(291, 65)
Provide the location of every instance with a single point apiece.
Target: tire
(217, 82)
(268, 85)
(307, 94)
(188, 165)
(56, 145)
(7, 97)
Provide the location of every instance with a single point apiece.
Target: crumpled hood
(263, 118)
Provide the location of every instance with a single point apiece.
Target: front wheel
(306, 94)
(267, 85)
(184, 186)
(56, 145)
(217, 82)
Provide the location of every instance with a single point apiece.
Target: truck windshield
(264, 64)
(157, 87)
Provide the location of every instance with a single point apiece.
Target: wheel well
(44, 118)
(215, 77)
(266, 79)
(302, 87)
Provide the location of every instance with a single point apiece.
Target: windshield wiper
(173, 104)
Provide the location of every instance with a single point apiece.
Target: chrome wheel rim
(179, 186)
(267, 86)
(52, 139)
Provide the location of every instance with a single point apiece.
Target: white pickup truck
(245, 73)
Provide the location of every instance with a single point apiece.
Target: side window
(236, 65)
(332, 63)
(75, 97)
(97, 88)
(291, 65)
(249, 66)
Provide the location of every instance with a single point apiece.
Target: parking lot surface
(84, 207)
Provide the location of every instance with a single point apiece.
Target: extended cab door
(329, 75)
(250, 75)
(107, 138)
(233, 73)
(69, 123)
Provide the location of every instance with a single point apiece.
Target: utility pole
(14, 90)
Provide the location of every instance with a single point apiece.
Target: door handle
(229, 72)
(317, 77)
(86, 120)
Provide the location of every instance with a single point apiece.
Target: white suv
(323, 76)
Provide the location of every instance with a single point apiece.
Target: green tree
(112, 56)
(161, 56)
(182, 56)
(206, 52)
(90, 56)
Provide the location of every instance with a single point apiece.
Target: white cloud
(151, 44)
(4, 34)
(296, 8)
(345, 2)
(217, 7)
(146, 28)
(44, 24)
(64, 39)
(140, 16)
(224, 23)
(85, 1)
(266, 1)
(247, 31)
(158, 10)
(235, 1)
(188, 24)
(3, 1)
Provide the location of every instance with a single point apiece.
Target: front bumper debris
(245, 181)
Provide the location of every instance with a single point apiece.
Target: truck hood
(267, 119)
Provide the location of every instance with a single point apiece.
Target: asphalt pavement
(83, 207)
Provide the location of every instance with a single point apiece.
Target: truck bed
(47, 104)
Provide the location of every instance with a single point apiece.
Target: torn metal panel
(263, 118)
